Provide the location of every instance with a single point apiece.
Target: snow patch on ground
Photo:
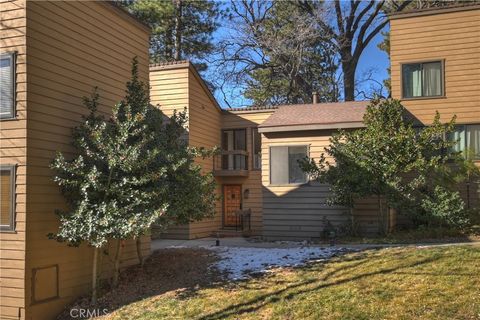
(239, 262)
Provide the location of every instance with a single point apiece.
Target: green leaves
(132, 170)
(411, 167)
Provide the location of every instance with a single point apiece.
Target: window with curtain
(234, 140)
(422, 79)
(284, 166)
(7, 85)
(467, 138)
(7, 192)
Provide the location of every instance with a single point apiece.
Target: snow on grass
(240, 262)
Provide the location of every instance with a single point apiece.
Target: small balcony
(231, 163)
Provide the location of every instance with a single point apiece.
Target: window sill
(8, 231)
(424, 98)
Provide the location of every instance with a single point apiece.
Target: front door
(232, 195)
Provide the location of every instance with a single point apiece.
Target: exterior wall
(13, 150)
(204, 131)
(298, 212)
(72, 47)
(169, 91)
(248, 120)
(449, 35)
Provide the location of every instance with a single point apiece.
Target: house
(435, 69)
(51, 55)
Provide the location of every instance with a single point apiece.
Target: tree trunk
(94, 276)
(178, 30)
(348, 81)
(141, 259)
(116, 269)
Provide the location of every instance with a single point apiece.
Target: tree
(276, 54)
(121, 181)
(391, 159)
(181, 29)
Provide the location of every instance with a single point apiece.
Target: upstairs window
(467, 138)
(257, 149)
(234, 149)
(7, 85)
(7, 200)
(284, 166)
(422, 80)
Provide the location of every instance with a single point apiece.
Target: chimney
(315, 97)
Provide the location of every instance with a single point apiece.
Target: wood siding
(169, 92)
(299, 212)
(204, 131)
(248, 120)
(72, 48)
(449, 36)
(13, 150)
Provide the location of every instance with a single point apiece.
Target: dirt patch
(168, 271)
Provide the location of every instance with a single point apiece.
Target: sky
(373, 62)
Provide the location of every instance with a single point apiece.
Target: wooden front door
(232, 195)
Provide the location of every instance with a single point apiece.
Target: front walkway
(253, 243)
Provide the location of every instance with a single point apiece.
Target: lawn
(395, 283)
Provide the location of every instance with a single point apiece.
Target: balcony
(231, 163)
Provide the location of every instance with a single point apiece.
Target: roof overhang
(311, 127)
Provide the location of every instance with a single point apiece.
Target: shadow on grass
(260, 301)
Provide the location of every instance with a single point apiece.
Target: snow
(240, 262)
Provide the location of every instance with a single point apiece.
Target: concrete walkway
(254, 243)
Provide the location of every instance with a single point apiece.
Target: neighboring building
(435, 63)
(51, 55)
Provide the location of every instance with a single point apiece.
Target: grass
(400, 283)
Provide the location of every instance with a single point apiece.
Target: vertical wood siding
(454, 37)
(13, 150)
(72, 48)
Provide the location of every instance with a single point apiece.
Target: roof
(251, 109)
(435, 10)
(318, 116)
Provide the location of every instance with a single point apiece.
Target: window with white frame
(284, 166)
(7, 85)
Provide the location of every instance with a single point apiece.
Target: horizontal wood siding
(72, 48)
(169, 91)
(248, 120)
(299, 212)
(13, 150)
(452, 37)
(204, 131)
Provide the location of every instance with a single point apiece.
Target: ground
(441, 282)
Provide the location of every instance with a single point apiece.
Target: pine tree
(127, 173)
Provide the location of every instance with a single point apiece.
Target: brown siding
(248, 120)
(300, 211)
(204, 131)
(169, 91)
(72, 47)
(454, 37)
(13, 150)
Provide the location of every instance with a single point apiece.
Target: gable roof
(318, 116)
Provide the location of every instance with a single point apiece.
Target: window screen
(422, 79)
(7, 85)
(7, 189)
(284, 167)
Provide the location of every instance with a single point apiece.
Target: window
(234, 143)
(7, 85)
(467, 139)
(284, 167)
(7, 191)
(257, 149)
(422, 79)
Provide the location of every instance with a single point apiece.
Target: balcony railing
(231, 163)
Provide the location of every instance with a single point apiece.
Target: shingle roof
(252, 108)
(316, 116)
